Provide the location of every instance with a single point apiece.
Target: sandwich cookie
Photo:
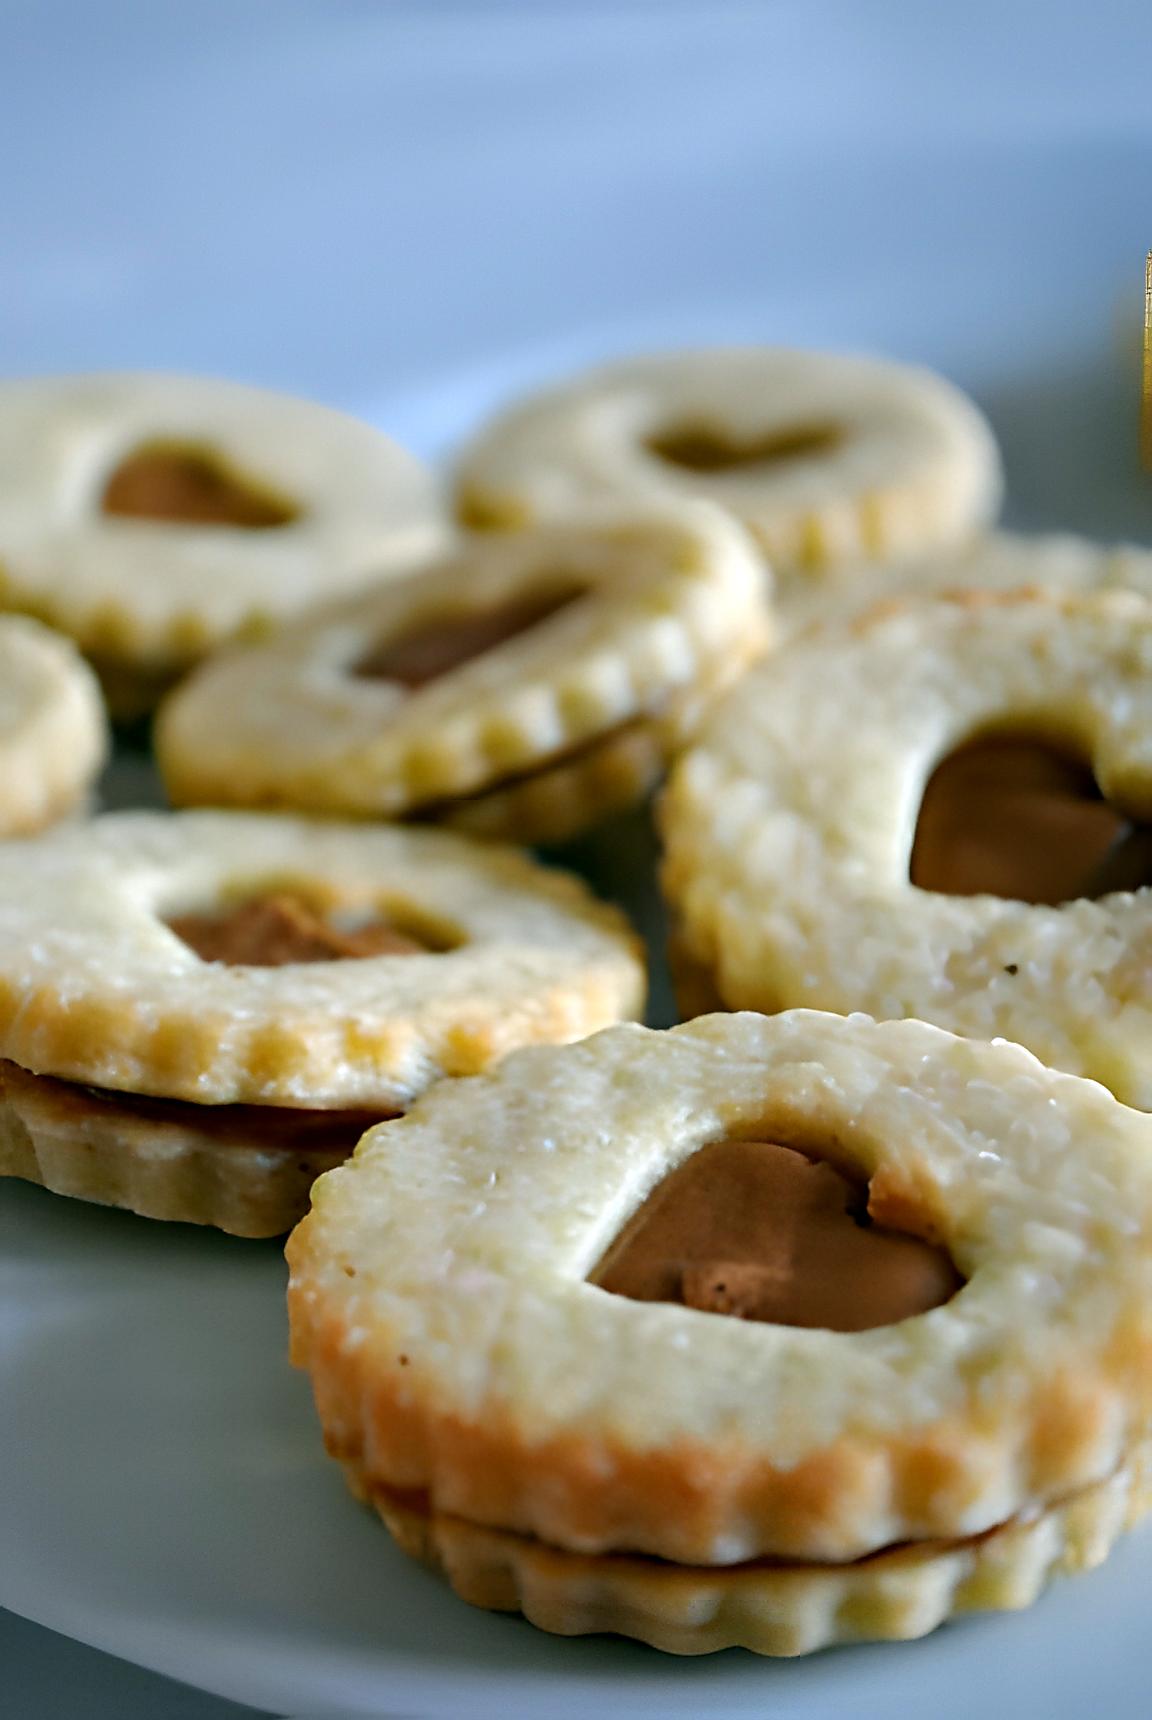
(524, 688)
(153, 518)
(938, 811)
(742, 1333)
(1001, 562)
(832, 462)
(201, 1012)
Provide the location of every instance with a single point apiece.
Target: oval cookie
(795, 829)
(153, 517)
(512, 1390)
(523, 688)
(829, 460)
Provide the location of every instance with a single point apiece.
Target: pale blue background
(401, 208)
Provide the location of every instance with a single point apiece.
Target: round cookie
(153, 518)
(1001, 561)
(53, 733)
(957, 835)
(830, 461)
(200, 1011)
(525, 687)
(868, 1372)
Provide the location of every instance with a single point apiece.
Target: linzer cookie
(200, 1012)
(830, 461)
(1000, 561)
(153, 518)
(53, 734)
(959, 832)
(740, 1334)
(525, 688)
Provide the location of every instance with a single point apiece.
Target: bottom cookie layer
(241, 1168)
(561, 798)
(771, 1608)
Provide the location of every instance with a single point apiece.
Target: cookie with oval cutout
(200, 1012)
(153, 518)
(833, 462)
(960, 834)
(738, 1334)
(525, 687)
(999, 561)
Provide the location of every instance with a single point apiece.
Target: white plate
(362, 202)
(166, 1496)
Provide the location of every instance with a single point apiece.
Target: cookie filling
(415, 1505)
(436, 648)
(265, 931)
(187, 484)
(1025, 821)
(327, 1136)
(702, 447)
(277, 931)
(576, 754)
(764, 1232)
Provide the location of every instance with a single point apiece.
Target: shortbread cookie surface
(440, 1297)
(100, 984)
(772, 1607)
(999, 562)
(53, 732)
(154, 517)
(790, 828)
(828, 459)
(244, 1169)
(521, 687)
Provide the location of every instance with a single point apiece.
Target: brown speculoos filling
(1024, 821)
(435, 648)
(190, 485)
(764, 1232)
(277, 931)
(268, 931)
(705, 448)
(323, 1135)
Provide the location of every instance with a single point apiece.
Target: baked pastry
(761, 1331)
(959, 834)
(199, 1012)
(776, 1609)
(521, 688)
(830, 461)
(1000, 561)
(53, 733)
(152, 518)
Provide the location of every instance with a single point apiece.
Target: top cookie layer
(332, 504)
(95, 987)
(827, 459)
(999, 562)
(790, 826)
(633, 616)
(439, 1296)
